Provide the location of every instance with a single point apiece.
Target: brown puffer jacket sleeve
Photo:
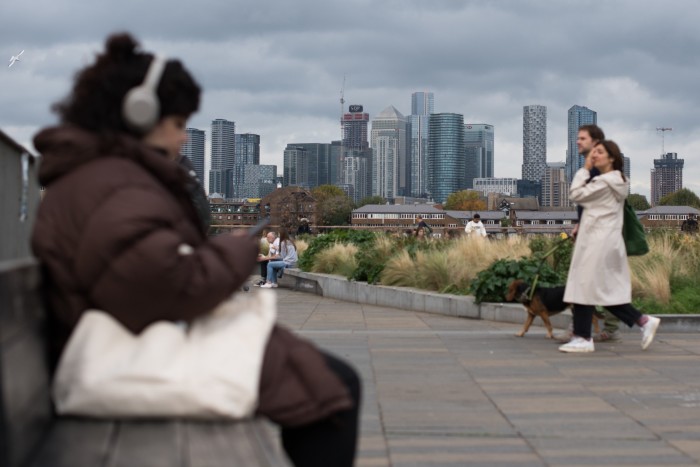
(142, 260)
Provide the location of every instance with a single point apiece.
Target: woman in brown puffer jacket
(122, 228)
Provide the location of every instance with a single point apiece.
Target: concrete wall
(14, 233)
(462, 306)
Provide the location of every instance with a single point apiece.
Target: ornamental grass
(338, 259)
(451, 269)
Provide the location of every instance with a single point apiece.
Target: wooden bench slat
(75, 443)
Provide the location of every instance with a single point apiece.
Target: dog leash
(531, 291)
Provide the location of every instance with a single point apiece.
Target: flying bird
(15, 58)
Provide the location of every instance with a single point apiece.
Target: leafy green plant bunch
(370, 263)
(324, 241)
(560, 259)
(491, 284)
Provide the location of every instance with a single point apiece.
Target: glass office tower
(578, 116)
(446, 155)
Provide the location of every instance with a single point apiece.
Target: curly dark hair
(95, 102)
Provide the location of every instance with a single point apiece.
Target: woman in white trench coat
(599, 273)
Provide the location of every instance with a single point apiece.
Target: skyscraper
(355, 124)
(446, 155)
(318, 160)
(534, 142)
(388, 138)
(247, 153)
(666, 176)
(334, 165)
(193, 149)
(578, 116)
(478, 141)
(355, 154)
(422, 105)
(628, 171)
(296, 166)
(260, 180)
(223, 144)
(555, 187)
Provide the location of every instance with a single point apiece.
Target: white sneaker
(269, 285)
(565, 337)
(649, 331)
(578, 345)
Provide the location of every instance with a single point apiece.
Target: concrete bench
(32, 436)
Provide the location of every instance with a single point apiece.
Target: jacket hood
(65, 148)
(614, 180)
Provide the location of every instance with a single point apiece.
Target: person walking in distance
(588, 137)
(690, 225)
(475, 227)
(599, 273)
(424, 225)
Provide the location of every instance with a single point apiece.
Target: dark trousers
(583, 317)
(263, 269)
(330, 442)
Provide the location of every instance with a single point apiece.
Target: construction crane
(663, 131)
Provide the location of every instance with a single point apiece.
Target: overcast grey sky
(276, 67)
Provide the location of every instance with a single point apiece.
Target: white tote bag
(210, 369)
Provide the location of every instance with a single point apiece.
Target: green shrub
(370, 264)
(560, 259)
(685, 299)
(491, 284)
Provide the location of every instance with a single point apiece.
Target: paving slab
(449, 391)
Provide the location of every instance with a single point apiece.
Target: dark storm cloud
(276, 67)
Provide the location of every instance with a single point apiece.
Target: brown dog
(546, 301)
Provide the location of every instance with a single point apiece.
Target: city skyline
(277, 69)
(319, 159)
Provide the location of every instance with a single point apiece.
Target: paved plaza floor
(444, 391)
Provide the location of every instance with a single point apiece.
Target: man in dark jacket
(690, 225)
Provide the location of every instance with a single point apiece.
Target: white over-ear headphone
(141, 107)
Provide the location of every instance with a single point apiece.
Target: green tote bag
(633, 233)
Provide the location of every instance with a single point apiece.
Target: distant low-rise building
(396, 216)
(381, 217)
(669, 217)
(228, 212)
